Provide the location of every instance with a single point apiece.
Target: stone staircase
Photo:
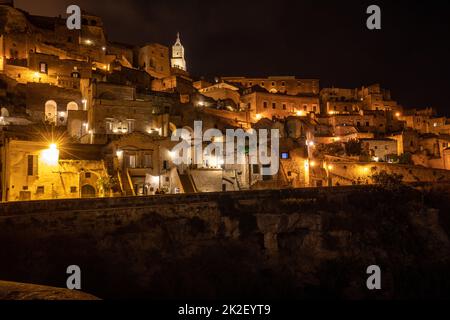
(187, 183)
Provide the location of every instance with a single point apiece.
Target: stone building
(143, 164)
(288, 85)
(34, 170)
(376, 98)
(343, 100)
(379, 149)
(262, 104)
(362, 122)
(119, 110)
(221, 92)
(154, 58)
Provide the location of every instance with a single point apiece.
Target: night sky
(312, 39)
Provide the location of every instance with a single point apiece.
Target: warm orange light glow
(51, 156)
(330, 167)
(258, 117)
(398, 114)
(312, 164)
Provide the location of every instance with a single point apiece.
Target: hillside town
(83, 116)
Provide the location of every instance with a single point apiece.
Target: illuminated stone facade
(31, 171)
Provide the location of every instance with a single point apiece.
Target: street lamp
(51, 155)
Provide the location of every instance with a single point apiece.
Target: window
(69, 39)
(87, 175)
(255, 169)
(130, 126)
(274, 105)
(32, 167)
(109, 125)
(315, 108)
(132, 161)
(73, 189)
(43, 67)
(40, 190)
(265, 104)
(284, 106)
(283, 84)
(262, 84)
(273, 84)
(75, 75)
(358, 124)
(367, 123)
(305, 107)
(147, 160)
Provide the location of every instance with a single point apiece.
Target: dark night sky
(313, 39)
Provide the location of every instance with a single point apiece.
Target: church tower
(178, 60)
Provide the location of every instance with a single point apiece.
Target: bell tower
(178, 60)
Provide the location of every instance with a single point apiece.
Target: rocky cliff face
(21, 291)
(269, 244)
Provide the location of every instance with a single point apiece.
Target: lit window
(43, 67)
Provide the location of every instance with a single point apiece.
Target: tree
(388, 180)
(107, 184)
(332, 149)
(406, 158)
(353, 148)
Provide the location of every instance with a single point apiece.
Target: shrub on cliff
(391, 181)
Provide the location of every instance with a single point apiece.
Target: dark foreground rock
(288, 244)
(20, 291)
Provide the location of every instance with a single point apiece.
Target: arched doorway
(50, 111)
(88, 191)
(72, 106)
(5, 113)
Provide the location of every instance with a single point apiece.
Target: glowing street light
(51, 156)
(258, 117)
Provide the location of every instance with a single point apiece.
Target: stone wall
(286, 244)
